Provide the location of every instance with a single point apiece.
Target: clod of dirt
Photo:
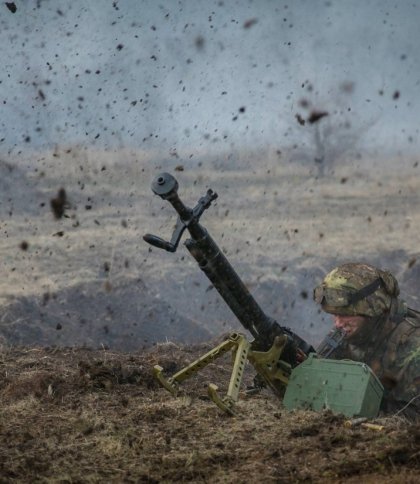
(59, 203)
(316, 116)
(250, 23)
(11, 6)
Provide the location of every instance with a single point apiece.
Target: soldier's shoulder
(408, 329)
(413, 318)
(406, 341)
(411, 323)
(409, 341)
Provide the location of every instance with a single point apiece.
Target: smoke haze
(211, 76)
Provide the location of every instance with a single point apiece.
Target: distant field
(281, 226)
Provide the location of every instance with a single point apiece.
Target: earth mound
(79, 415)
(123, 317)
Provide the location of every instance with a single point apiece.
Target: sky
(209, 75)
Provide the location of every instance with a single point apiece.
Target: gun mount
(275, 349)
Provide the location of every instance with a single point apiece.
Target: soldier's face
(349, 324)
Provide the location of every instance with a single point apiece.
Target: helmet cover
(357, 289)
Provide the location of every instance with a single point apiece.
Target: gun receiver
(268, 335)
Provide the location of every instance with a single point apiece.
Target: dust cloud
(303, 116)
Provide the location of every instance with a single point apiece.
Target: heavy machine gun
(275, 350)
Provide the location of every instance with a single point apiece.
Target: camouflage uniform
(389, 338)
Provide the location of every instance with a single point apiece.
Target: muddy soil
(78, 415)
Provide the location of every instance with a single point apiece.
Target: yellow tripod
(268, 365)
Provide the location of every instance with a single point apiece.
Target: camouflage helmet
(357, 289)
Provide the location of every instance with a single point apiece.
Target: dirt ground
(87, 309)
(77, 415)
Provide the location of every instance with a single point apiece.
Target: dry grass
(107, 420)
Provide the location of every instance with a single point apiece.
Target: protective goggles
(331, 297)
(340, 298)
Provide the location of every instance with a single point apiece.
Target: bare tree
(327, 136)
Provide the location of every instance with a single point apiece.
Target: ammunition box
(343, 386)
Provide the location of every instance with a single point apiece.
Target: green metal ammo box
(343, 386)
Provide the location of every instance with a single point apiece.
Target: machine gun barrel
(219, 271)
(224, 278)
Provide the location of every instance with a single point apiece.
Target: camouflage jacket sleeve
(404, 398)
